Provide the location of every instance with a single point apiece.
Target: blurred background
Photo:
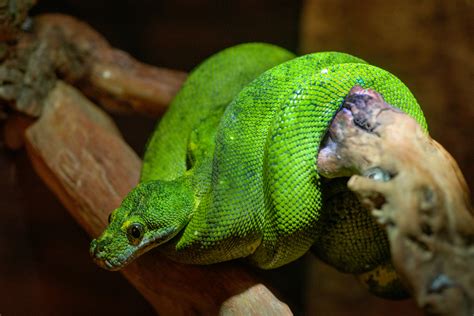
(45, 268)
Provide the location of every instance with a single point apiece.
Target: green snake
(231, 169)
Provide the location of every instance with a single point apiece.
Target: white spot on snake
(196, 233)
(324, 71)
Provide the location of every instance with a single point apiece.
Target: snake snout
(98, 251)
(98, 248)
(95, 248)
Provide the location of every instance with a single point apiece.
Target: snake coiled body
(242, 139)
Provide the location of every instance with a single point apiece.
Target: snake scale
(230, 170)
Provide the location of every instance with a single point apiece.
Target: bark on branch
(415, 189)
(61, 47)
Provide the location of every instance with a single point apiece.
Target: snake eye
(135, 232)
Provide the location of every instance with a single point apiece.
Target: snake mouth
(114, 264)
(103, 259)
(105, 264)
(102, 256)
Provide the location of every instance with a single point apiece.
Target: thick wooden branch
(60, 46)
(79, 153)
(415, 189)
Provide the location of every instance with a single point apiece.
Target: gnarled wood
(79, 153)
(415, 189)
(63, 47)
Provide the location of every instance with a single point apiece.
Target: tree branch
(415, 189)
(61, 47)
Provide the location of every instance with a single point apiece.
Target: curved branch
(62, 47)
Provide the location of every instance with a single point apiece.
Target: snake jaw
(101, 252)
(115, 257)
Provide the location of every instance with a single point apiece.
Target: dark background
(45, 268)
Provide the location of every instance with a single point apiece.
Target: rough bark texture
(61, 47)
(416, 190)
(13, 14)
(79, 153)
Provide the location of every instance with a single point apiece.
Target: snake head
(151, 214)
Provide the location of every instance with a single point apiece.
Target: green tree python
(231, 169)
